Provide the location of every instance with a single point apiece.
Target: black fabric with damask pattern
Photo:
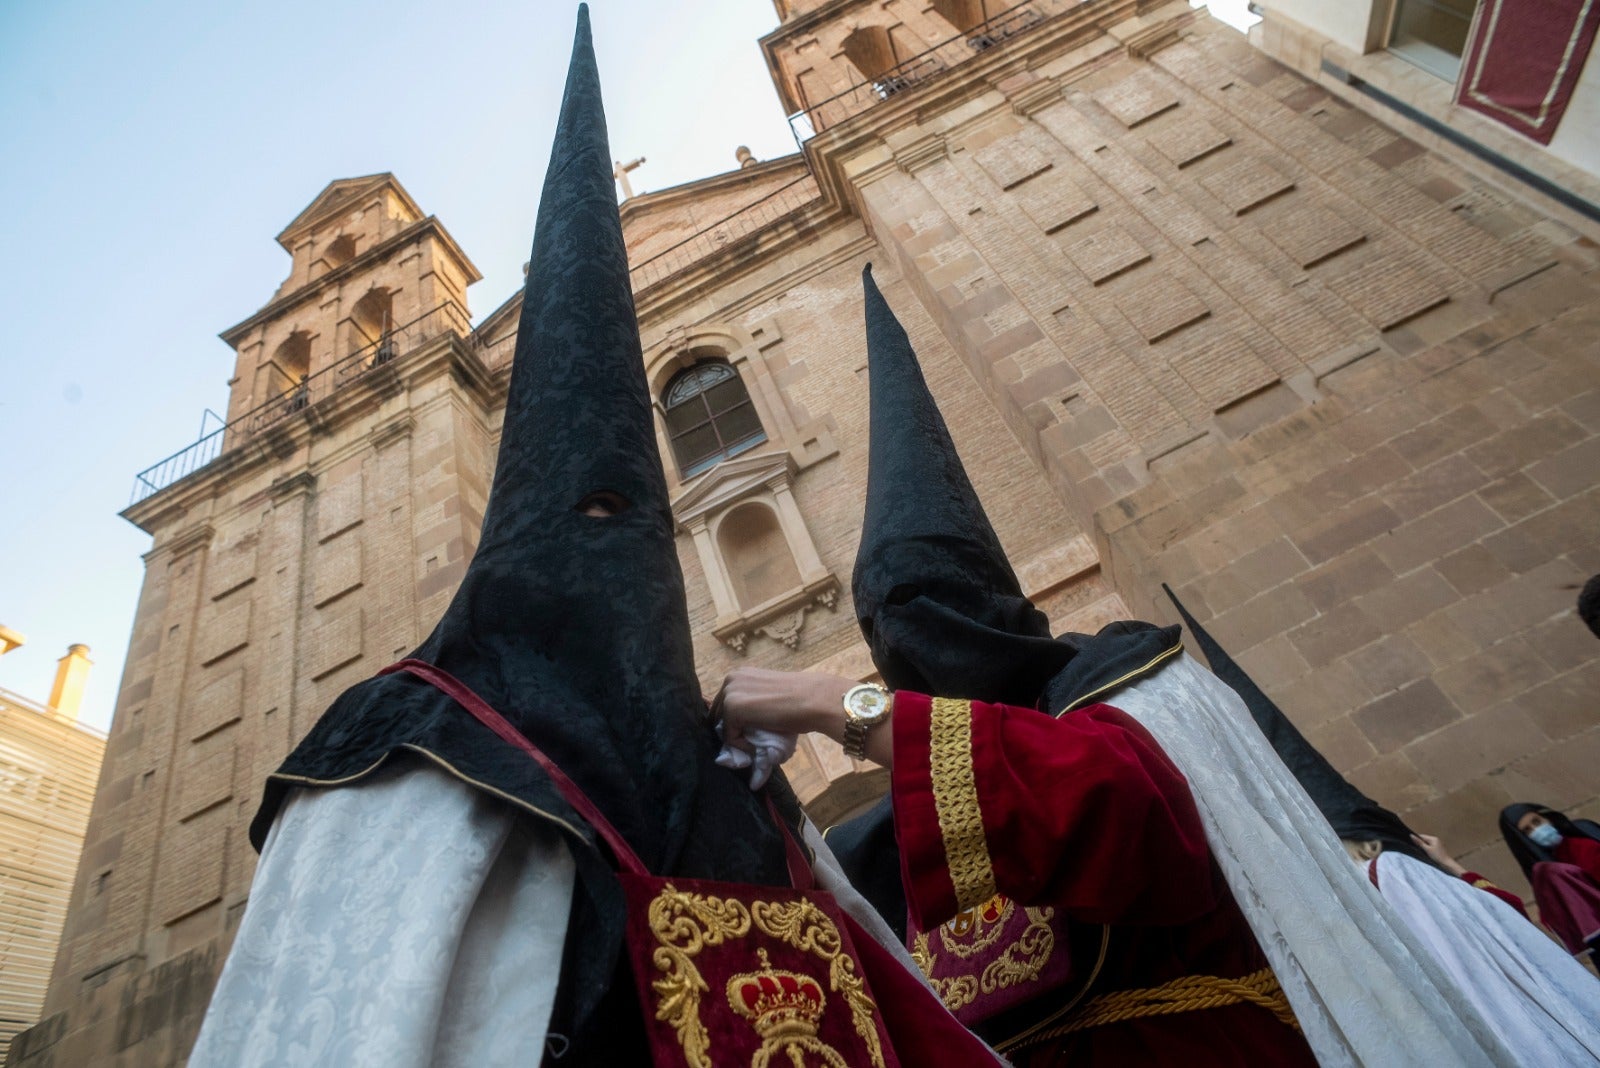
(575, 628)
(934, 593)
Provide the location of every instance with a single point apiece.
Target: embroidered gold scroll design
(685, 923)
(1025, 958)
(1020, 962)
(955, 801)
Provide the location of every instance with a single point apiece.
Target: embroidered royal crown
(777, 1002)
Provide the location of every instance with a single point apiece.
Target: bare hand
(1436, 852)
(789, 702)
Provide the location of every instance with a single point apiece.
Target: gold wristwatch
(865, 706)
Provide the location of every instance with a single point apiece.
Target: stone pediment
(655, 222)
(730, 481)
(341, 194)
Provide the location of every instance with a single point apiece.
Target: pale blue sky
(148, 154)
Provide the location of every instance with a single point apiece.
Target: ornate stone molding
(765, 477)
(781, 619)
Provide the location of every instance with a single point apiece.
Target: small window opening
(709, 416)
(371, 324)
(340, 252)
(1432, 34)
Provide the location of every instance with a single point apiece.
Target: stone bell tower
(295, 551)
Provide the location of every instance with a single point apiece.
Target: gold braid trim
(1484, 884)
(955, 800)
(1190, 993)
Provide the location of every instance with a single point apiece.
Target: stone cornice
(295, 434)
(648, 203)
(430, 226)
(727, 482)
(961, 85)
(194, 539)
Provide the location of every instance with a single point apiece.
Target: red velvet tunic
(1500, 892)
(1583, 852)
(1087, 815)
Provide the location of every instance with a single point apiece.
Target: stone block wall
(1338, 392)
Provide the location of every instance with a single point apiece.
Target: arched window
(292, 360)
(341, 251)
(757, 555)
(966, 14)
(371, 319)
(709, 416)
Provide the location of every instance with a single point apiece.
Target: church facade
(1191, 317)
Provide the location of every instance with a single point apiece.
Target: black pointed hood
(1352, 813)
(934, 593)
(573, 627)
(579, 623)
(938, 600)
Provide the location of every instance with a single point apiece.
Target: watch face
(869, 703)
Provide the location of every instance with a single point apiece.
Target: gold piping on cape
(304, 780)
(955, 801)
(1150, 665)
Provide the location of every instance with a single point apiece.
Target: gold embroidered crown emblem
(778, 1003)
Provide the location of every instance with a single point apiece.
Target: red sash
(728, 973)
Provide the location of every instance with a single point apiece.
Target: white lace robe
(410, 920)
(1542, 1002)
(1366, 992)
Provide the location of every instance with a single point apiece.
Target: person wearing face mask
(1561, 858)
(1535, 998)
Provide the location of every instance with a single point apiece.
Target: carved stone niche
(758, 557)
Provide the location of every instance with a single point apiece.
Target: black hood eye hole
(602, 504)
(903, 594)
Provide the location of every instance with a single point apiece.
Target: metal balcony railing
(307, 393)
(917, 70)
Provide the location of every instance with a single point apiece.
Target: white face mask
(1545, 835)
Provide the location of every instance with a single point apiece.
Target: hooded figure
(572, 624)
(935, 595)
(1355, 816)
(1129, 823)
(1564, 869)
(1532, 994)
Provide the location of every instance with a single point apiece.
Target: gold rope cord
(1190, 993)
(955, 801)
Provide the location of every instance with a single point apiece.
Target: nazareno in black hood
(936, 597)
(938, 601)
(1352, 813)
(574, 627)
